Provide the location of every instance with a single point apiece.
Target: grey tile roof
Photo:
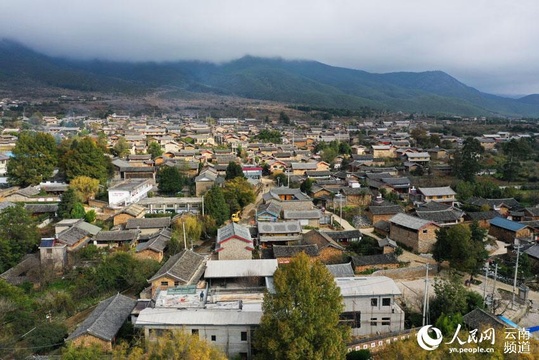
(440, 216)
(283, 227)
(120, 235)
(271, 208)
(345, 234)
(72, 235)
(134, 210)
(41, 208)
(378, 259)
(534, 211)
(437, 191)
(280, 251)
(385, 210)
(341, 270)
(233, 229)
(478, 318)
(482, 215)
(186, 266)
(157, 242)
(151, 223)
(301, 214)
(107, 318)
(407, 221)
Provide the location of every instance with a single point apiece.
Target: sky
(492, 45)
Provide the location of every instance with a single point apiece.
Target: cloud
(488, 44)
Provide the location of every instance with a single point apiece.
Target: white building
(129, 191)
(369, 305)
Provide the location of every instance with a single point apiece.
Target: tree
(284, 118)
(271, 136)
(452, 298)
(85, 187)
(465, 162)
(18, 235)
(121, 148)
(34, 159)
(216, 206)
(307, 185)
(78, 211)
(193, 229)
(170, 180)
(85, 158)
(233, 170)
(154, 149)
(238, 193)
(175, 344)
(67, 203)
(455, 245)
(301, 318)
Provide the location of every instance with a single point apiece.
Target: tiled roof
(119, 235)
(151, 223)
(283, 251)
(341, 270)
(378, 259)
(233, 229)
(185, 266)
(437, 191)
(72, 235)
(283, 227)
(407, 221)
(107, 318)
(385, 210)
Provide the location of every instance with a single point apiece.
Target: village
(214, 206)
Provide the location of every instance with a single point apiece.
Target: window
(244, 336)
(425, 231)
(213, 338)
(176, 283)
(374, 301)
(374, 321)
(352, 319)
(194, 331)
(49, 251)
(386, 301)
(164, 283)
(386, 321)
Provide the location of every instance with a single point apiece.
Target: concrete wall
(375, 319)
(226, 338)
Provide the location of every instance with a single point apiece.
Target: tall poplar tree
(301, 319)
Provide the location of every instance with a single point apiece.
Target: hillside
(296, 82)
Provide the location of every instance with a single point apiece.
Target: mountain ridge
(303, 82)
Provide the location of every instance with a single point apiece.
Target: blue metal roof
(506, 224)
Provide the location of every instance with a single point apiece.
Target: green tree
(78, 211)
(34, 159)
(271, 136)
(455, 245)
(307, 185)
(121, 148)
(216, 206)
(18, 235)
(154, 149)
(68, 202)
(170, 180)
(466, 161)
(284, 118)
(452, 298)
(85, 158)
(233, 170)
(238, 192)
(301, 318)
(329, 154)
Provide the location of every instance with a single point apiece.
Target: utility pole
(184, 238)
(485, 284)
(426, 297)
(494, 287)
(515, 279)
